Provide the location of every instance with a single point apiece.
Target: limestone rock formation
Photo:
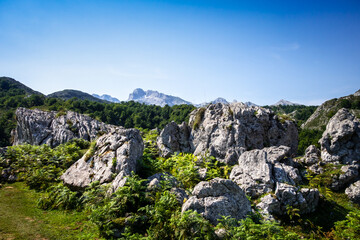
(349, 175)
(258, 171)
(353, 192)
(312, 156)
(306, 200)
(38, 127)
(228, 130)
(216, 198)
(174, 138)
(114, 157)
(340, 142)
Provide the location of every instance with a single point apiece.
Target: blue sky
(259, 51)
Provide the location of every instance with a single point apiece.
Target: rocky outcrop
(174, 138)
(311, 157)
(228, 130)
(340, 143)
(353, 192)
(349, 175)
(258, 171)
(38, 127)
(217, 198)
(306, 200)
(114, 157)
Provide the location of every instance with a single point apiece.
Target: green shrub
(90, 153)
(60, 197)
(198, 117)
(41, 166)
(349, 228)
(112, 209)
(248, 229)
(191, 225)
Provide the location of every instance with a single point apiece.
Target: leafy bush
(109, 215)
(349, 228)
(41, 166)
(199, 117)
(60, 197)
(248, 229)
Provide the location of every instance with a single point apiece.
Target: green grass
(21, 219)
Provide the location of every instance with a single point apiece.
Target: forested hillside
(126, 114)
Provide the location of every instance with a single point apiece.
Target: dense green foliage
(308, 137)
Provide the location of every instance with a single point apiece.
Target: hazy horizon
(303, 51)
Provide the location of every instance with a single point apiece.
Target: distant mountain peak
(284, 102)
(106, 97)
(152, 97)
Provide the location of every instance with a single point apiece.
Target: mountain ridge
(106, 97)
(152, 97)
(67, 94)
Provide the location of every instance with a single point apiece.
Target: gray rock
(181, 195)
(38, 127)
(353, 192)
(312, 199)
(311, 157)
(269, 205)
(259, 170)
(306, 200)
(340, 143)
(217, 198)
(174, 138)
(115, 157)
(225, 131)
(349, 175)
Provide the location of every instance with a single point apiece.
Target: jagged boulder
(311, 157)
(353, 192)
(225, 131)
(217, 198)
(340, 143)
(38, 127)
(174, 138)
(114, 157)
(305, 199)
(349, 175)
(258, 171)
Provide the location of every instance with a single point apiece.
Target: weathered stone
(38, 127)
(340, 143)
(174, 138)
(181, 195)
(259, 170)
(269, 205)
(217, 198)
(349, 175)
(225, 131)
(312, 199)
(353, 192)
(115, 157)
(311, 157)
(306, 200)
